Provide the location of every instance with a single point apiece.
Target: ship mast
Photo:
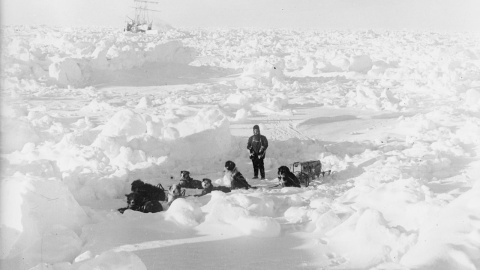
(142, 20)
(142, 8)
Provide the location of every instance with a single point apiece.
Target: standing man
(257, 144)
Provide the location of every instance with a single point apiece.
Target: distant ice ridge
(71, 57)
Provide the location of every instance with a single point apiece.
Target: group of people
(145, 197)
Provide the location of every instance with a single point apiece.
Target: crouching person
(187, 182)
(287, 178)
(208, 188)
(236, 178)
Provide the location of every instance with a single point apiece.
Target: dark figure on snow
(144, 197)
(187, 182)
(257, 145)
(149, 191)
(287, 178)
(137, 202)
(208, 188)
(236, 178)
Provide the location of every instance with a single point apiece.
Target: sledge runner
(236, 178)
(257, 145)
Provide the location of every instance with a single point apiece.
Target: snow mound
(112, 260)
(184, 212)
(125, 123)
(341, 63)
(261, 71)
(366, 239)
(205, 119)
(70, 59)
(96, 106)
(248, 213)
(238, 100)
(58, 244)
(65, 72)
(472, 99)
(35, 207)
(258, 226)
(296, 214)
(24, 133)
(407, 195)
(360, 63)
(458, 247)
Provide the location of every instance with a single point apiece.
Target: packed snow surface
(394, 115)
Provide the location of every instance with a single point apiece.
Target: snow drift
(398, 127)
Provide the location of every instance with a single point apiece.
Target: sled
(308, 170)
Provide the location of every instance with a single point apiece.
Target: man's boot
(255, 173)
(262, 173)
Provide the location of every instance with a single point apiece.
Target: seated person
(187, 182)
(287, 178)
(208, 188)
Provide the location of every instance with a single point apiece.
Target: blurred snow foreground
(87, 111)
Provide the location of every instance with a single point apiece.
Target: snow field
(405, 188)
(70, 58)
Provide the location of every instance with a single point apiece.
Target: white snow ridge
(393, 114)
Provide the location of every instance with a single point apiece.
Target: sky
(442, 15)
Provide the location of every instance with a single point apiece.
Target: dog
(187, 182)
(149, 191)
(138, 202)
(144, 197)
(208, 188)
(207, 185)
(152, 207)
(175, 192)
(287, 178)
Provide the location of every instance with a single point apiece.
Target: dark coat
(257, 144)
